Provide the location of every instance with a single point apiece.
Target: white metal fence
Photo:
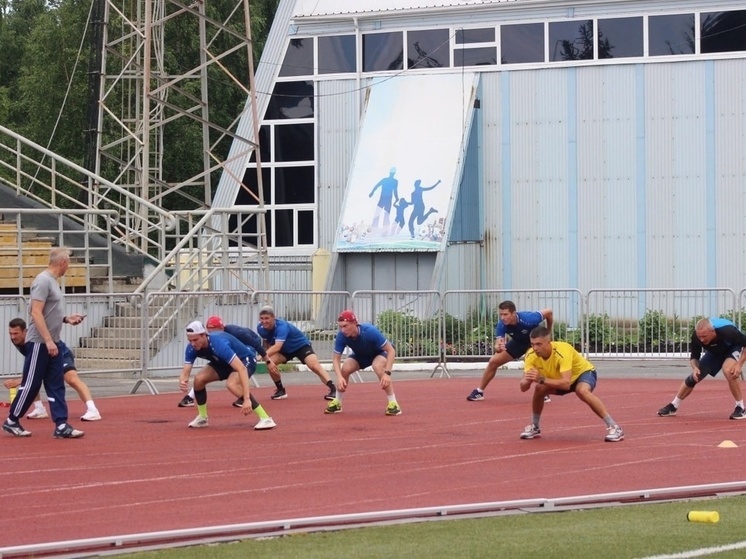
(141, 336)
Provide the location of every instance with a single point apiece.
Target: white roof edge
(336, 8)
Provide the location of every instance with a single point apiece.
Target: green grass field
(632, 531)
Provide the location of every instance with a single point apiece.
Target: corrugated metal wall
(598, 176)
(616, 176)
(337, 110)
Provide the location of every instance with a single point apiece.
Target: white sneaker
(267, 423)
(38, 413)
(198, 422)
(91, 415)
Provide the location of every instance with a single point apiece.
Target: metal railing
(141, 335)
(38, 174)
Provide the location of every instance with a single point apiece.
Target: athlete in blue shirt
(511, 340)
(370, 348)
(722, 344)
(228, 359)
(242, 334)
(284, 342)
(17, 333)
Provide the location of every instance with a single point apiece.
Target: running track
(142, 470)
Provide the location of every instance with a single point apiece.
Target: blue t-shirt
(247, 336)
(368, 343)
(222, 349)
(521, 330)
(292, 339)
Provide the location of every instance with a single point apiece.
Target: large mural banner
(404, 178)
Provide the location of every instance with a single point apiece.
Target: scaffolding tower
(145, 102)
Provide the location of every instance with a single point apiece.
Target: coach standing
(43, 362)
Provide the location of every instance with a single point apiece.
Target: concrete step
(127, 322)
(94, 364)
(121, 333)
(130, 355)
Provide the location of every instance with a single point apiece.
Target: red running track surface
(142, 470)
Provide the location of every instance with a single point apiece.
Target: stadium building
(504, 144)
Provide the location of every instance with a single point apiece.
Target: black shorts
(224, 370)
(516, 349)
(301, 354)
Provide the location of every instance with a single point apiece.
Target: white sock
(740, 404)
(191, 393)
(339, 396)
(391, 397)
(676, 402)
(90, 405)
(38, 405)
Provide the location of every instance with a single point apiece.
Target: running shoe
(614, 434)
(66, 431)
(667, 410)
(186, 402)
(91, 415)
(198, 422)
(393, 409)
(335, 406)
(531, 432)
(738, 413)
(266, 423)
(15, 429)
(279, 394)
(38, 413)
(475, 395)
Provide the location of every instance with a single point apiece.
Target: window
(484, 56)
(250, 182)
(295, 185)
(264, 144)
(428, 49)
(571, 40)
(671, 34)
(298, 58)
(620, 37)
(294, 142)
(291, 100)
(523, 43)
(383, 52)
(337, 55)
(723, 31)
(306, 227)
(483, 35)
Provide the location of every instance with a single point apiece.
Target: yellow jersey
(564, 357)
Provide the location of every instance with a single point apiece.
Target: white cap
(196, 327)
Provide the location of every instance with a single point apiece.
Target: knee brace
(690, 382)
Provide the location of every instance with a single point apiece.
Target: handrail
(138, 209)
(206, 230)
(185, 240)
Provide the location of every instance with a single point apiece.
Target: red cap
(347, 316)
(214, 322)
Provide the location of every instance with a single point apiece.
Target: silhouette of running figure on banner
(418, 206)
(389, 193)
(399, 221)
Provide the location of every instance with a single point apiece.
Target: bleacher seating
(26, 260)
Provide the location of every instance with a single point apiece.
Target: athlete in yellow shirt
(557, 368)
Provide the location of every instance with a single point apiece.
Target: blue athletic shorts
(365, 362)
(588, 377)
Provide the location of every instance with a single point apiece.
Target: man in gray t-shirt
(43, 363)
